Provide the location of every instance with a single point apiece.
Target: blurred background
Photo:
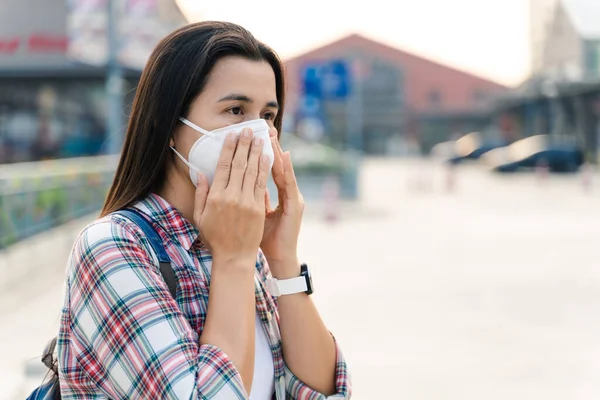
(447, 152)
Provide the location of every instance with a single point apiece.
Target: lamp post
(551, 90)
(114, 82)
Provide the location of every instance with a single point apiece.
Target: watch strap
(282, 287)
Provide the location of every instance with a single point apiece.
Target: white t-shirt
(263, 381)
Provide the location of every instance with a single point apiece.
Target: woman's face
(237, 90)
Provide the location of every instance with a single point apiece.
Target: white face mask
(204, 154)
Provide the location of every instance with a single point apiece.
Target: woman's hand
(230, 216)
(282, 225)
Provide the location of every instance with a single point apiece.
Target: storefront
(570, 109)
(53, 105)
(52, 116)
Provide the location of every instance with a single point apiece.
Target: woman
(225, 335)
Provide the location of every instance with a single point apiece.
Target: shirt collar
(170, 219)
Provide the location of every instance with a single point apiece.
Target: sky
(489, 38)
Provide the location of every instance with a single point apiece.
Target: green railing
(35, 197)
(38, 196)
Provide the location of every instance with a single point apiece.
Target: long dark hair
(175, 74)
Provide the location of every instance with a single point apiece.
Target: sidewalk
(31, 282)
(489, 292)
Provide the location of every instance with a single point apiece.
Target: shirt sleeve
(128, 335)
(295, 388)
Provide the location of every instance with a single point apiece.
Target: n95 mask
(204, 154)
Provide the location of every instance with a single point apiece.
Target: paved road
(489, 292)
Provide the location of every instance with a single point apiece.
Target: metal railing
(35, 197)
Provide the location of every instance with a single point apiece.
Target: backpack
(50, 390)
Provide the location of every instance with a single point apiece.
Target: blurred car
(472, 146)
(469, 147)
(443, 151)
(557, 153)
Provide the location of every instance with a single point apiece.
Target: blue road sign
(329, 80)
(322, 81)
(312, 81)
(310, 108)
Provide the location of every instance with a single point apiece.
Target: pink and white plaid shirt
(122, 335)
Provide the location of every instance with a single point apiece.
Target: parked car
(443, 151)
(558, 153)
(469, 147)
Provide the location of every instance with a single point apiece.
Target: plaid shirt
(122, 335)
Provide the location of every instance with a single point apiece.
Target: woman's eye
(269, 116)
(236, 110)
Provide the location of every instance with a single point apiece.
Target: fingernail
(247, 132)
(233, 137)
(258, 141)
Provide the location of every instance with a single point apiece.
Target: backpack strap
(51, 389)
(156, 242)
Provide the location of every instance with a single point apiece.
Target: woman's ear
(175, 132)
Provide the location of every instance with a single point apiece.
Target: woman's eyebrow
(237, 97)
(246, 99)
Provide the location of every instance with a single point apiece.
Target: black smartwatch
(300, 284)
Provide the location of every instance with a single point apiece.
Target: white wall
(563, 50)
(540, 17)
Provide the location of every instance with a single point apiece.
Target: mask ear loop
(195, 127)
(186, 162)
(182, 158)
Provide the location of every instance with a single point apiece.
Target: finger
(240, 160)
(261, 180)
(279, 146)
(268, 208)
(278, 176)
(224, 164)
(252, 169)
(200, 197)
(291, 186)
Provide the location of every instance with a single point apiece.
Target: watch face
(307, 275)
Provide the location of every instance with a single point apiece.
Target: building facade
(562, 97)
(541, 13)
(403, 97)
(571, 51)
(52, 104)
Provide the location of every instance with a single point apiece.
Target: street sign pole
(350, 123)
(359, 111)
(114, 83)
(354, 109)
